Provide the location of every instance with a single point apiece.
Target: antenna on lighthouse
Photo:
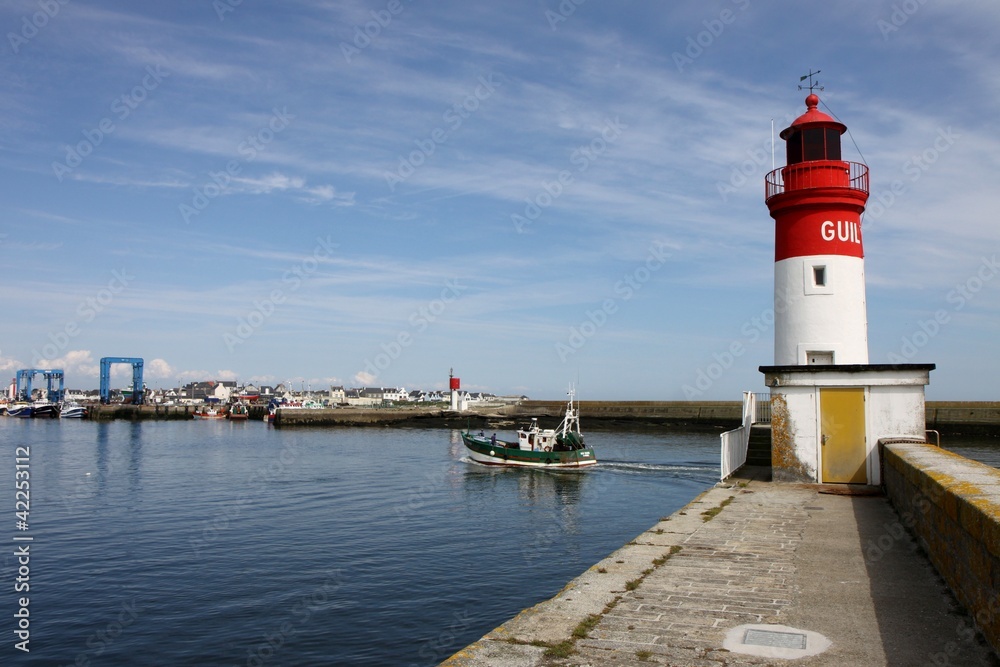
(811, 85)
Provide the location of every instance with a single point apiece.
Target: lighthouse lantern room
(829, 406)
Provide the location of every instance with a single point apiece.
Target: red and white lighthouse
(829, 407)
(455, 386)
(816, 201)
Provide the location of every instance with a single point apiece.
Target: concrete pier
(752, 573)
(139, 412)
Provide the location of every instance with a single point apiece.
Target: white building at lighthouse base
(827, 421)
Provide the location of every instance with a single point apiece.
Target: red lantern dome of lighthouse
(816, 201)
(813, 117)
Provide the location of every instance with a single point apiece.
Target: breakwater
(681, 413)
(966, 417)
(948, 417)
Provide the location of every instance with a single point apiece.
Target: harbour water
(982, 448)
(222, 543)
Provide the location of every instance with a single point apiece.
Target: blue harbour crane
(25, 376)
(137, 387)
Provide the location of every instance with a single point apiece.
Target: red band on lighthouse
(818, 233)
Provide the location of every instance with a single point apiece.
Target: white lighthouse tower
(816, 201)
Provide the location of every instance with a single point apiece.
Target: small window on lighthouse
(820, 358)
(819, 276)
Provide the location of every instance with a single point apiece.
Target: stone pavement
(779, 574)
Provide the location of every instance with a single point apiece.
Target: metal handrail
(762, 414)
(735, 443)
(857, 177)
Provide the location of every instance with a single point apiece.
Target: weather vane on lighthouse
(811, 85)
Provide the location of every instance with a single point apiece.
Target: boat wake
(687, 469)
(681, 469)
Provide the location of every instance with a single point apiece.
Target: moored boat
(72, 411)
(209, 413)
(239, 411)
(535, 447)
(272, 411)
(19, 409)
(44, 409)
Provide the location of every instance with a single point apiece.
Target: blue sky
(531, 192)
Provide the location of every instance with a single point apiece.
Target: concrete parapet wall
(952, 505)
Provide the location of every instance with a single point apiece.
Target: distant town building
(210, 390)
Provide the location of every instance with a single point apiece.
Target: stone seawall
(708, 413)
(365, 417)
(952, 505)
(967, 417)
(947, 417)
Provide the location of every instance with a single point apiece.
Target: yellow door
(842, 430)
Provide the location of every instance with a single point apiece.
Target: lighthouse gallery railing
(816, 174)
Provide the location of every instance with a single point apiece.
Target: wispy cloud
(473, 163)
